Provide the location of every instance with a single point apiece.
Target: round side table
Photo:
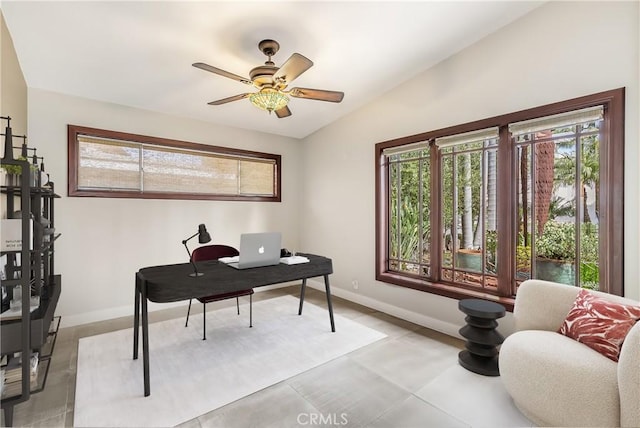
(481, 354)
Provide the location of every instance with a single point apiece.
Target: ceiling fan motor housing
(262, 75)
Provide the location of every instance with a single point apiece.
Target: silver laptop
(258, 249)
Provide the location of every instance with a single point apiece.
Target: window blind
(467, 137)
(106, 164)
(406, 148)
(557, 121)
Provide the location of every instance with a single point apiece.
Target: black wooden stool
(481, 355)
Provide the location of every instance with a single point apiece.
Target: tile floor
(404, 380)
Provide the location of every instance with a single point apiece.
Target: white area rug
(191, 376)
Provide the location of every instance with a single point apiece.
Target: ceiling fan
(272, 82)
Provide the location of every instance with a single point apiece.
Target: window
(114, 164)
(473, 210)
(468, 213)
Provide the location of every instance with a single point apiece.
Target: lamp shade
(203, 235)
(269, 99)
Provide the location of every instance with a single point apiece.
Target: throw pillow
(600, 324)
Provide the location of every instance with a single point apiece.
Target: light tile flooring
(395, 382)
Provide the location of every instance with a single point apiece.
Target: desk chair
(214, 252)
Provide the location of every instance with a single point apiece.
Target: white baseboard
(125, 311)
(416, 318)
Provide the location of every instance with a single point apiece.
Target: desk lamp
(203, 238)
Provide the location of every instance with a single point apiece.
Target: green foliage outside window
(557, 241)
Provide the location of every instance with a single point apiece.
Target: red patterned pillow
(600, 324)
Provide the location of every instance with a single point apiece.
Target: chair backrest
(543, 305)
(213, 252)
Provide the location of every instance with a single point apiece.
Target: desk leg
(302, 290)
(329, 305)
(136, 319)
(145, 342)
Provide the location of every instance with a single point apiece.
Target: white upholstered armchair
(557, 381)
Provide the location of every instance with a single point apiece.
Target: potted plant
(12, 173)
(556, 253)
(470, 259)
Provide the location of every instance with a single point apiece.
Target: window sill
(442, 289)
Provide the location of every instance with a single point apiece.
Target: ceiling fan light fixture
(269, 99)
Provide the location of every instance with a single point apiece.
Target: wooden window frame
(73, 131)
(611, 199)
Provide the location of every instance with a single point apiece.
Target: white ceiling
(139, 54)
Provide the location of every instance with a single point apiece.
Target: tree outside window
(508, 198)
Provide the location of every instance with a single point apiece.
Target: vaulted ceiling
(139, 54)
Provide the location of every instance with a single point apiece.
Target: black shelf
(41, 319)
(44, 191)
(44, 364)
(46, 351)
(34, 329)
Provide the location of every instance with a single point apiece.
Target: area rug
(191, 376)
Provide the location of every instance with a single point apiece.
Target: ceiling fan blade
(228, 100)
(292, 68)
(283, 112)
(215, 70)
(317, 94)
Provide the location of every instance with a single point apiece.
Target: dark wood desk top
(172, 283)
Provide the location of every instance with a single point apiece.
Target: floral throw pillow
(600, 324)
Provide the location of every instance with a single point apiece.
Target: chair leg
(238, 304)
(204, 321)
(188, 311)
(250, 310)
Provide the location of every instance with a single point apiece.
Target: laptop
(258, 249)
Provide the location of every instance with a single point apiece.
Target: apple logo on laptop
(261, 249)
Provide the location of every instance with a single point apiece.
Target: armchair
(557, 381)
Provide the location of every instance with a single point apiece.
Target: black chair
(214, 252)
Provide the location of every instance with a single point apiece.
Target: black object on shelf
(481, 354)
(8, 140)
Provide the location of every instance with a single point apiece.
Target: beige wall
(13, 89)
(559, 51)
(105, 241)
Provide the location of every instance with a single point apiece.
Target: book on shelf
(12, 374)
(11, 229)
(16, 312)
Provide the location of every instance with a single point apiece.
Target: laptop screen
(259, 249)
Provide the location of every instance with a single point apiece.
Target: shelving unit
(28, 332)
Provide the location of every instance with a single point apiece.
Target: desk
(172, 283)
